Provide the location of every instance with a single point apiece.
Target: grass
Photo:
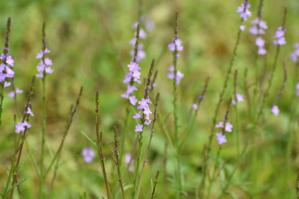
(89, 44)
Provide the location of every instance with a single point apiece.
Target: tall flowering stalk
(258, 29)
(225, 127)
(20, 129)
(143, 116)
(6, 70)
(207, 148)
(275, 109)
(43, 69)
(175, 47)
(194, 110)
(279, 40)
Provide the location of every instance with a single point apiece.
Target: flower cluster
(179, 74)
(44, 66)
(244, 11)
(140, 54)
(134, 73)
(134, 76)
(226, 128)
(88, 154)
(6, 71)
(258, 29)
(295, 54)
(144, 113)
(23, 125)
(279, 38)
(175, 46)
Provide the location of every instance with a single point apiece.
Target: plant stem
(100, 145)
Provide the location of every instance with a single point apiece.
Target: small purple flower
(258, 29)
(144, 106)
(133, 100)
(22, 126)
(129, 91)
(221, 139)
(179, 74)
(128, 161)
(279, 38)
(7, 84)
(88, 154)
(242, 27)
(6, 68)
(12, 94)
(140, 52)
(243, 10)
(238, 98)
(176, 44)
(44, 66)
(295, 54)
(29, 112)
(275, 110)
(139, 128)
(137, 116)
(128, 158)
(297, 89)
(228, 126)
(194, 106)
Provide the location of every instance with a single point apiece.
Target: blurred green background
(89, 42)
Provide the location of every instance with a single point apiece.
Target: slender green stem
(100, 145)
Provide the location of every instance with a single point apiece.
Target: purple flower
(12, 94)
(279, 38)
(137, 116)
(228, 126)
(138, 128)
(29, 112)
(7, 84)
(128, 161)
(295, 54)
(144, 106)
(133, 100)
(243, 10)
(242, 27)
(176, 44)
(297, 89)
(238, 98)
(128, 158)
(140, 52)
(21, 126)
(88, 154)
(194, 106)
(129, 91)
(44, 66)
(221, 139)
(275, 110)
(258, 29)
(133, 76)
(6, 68)
(179, 74)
